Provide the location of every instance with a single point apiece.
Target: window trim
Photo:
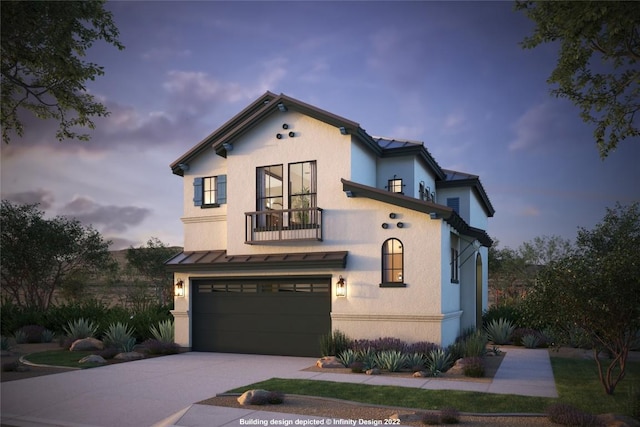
(384, 268)
(454, 261)
(394, 184)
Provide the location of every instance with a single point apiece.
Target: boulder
(86, 344)
(457, 368)
(92, 358)
(254, 397)
(329, 362)
(130, 355)
(614, 420)
(374, 371)
(420, 374)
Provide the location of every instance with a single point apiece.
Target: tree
(507, 274)
(43, 43)
(595, 288)
(545, 249)
(39, 254)
(597, 66)
(149, 262)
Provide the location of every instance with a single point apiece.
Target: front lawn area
(61, 358)
(576, 380)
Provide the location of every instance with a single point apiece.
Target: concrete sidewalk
(162, 391)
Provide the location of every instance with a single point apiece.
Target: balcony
(283, 225)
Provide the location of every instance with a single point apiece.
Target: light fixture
(178, 288)
(183, 166)
(343, 130)
(282, 107)
(341, 287)
(227, 146)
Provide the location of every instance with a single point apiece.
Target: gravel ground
(337, 409)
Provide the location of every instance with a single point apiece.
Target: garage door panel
(261, 320)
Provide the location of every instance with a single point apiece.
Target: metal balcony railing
(283, 225)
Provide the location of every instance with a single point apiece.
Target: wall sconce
(178, 288)
(341, 287)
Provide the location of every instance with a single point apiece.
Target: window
(210, 191)
(454, 259)
(392, 262)
(395, 185)
(269, 194)
(454, 203)
(302, 193)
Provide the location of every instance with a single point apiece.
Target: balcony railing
(283, 225)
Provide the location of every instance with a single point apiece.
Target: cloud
(108, 218)
(40, 196)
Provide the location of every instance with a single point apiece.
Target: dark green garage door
(280, 316)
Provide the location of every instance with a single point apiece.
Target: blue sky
(451, 74)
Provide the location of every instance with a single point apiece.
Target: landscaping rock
(613, 420)
(92, 358)
(329, 362)
(457, 368)
(420, 374)
(130, 355)
(254, 397)
(86, 344)
(374, 371)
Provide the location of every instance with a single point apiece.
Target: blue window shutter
(197, 191)
(454, 203)
(221, 189)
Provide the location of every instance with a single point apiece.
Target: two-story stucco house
(298, 222)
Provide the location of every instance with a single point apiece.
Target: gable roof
(435, 210)
(393, 147)
(455, 179)
(258, 110)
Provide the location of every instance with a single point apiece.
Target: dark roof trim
(434, 209)
(471, 182)
(219, 261)
(177, 166)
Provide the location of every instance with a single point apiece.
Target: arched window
(392, 262)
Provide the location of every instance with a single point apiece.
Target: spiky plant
(163, 331)
(392, 360)
(80, 328)
(119, 335)
(499, 331)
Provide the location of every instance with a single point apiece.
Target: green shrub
(32, 333)
(437, 362)
(473, 367)
(156, 347)
(530, 341)
(334, 343)
(163, 331)
(368, 358)
(392, 360)
(499, 331)
(634, 402)
(47, 336)
(510, 312)
(80, 328)
(119, 335)
(5, 345)
(567, 415)
(475, 345)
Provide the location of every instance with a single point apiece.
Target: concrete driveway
(139, 393)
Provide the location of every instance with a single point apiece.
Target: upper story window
(210, 191)
(269, 193)
(454, 203)
(392, 263)
(395, 185)
(302, 192)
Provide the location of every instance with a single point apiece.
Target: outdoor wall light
(343, 130)
(341, 287)
(178, 288)
(227, 146)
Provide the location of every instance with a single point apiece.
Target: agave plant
(80, 328)
(163, 331)
(438, 361)
(530, 341)
(369, 358)
(119, 335)
(347, 357)
(392, 360)
(416, 361)
(499, 331)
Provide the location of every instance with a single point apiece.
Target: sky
(450, 74)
